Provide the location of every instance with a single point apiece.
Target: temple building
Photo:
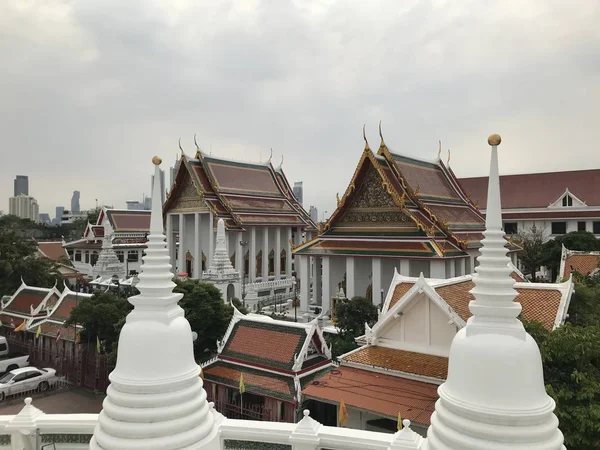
(555, 202)
(585, 263)
(275, 359)
(262, 218)
(126, 232)
(398, 212)
(493, 395)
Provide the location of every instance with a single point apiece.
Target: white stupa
(494, 397)
(221, 272)
(156, 400)
(108, 263)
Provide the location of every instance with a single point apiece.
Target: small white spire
(156, 400)
(494, 396)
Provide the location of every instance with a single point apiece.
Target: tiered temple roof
(240, 193)
(400, 206)
(585, 263)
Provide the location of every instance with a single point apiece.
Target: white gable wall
(422, 327)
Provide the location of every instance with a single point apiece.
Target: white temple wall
(441, 332)
(418, 266)
(387, 274)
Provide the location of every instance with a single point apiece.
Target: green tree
(350, 318)
(101, 315)
(206, 312)
(19, 259)
(571, 361)
(532, 243)
(577, 240)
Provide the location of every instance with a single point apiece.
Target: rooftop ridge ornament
(180, 148)
(382, 143)
(494, 395)
(154, 406)
(195, 143)
(448, 162)
(365, 138)
(439, 150)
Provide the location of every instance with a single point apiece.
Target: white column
(438, 269)
(181, 262)
(265, 253)
(197, 248)
(298, 239)
(461, 265)
(350, 291)
(316, 279)
(404, 267)
(303, 262)
(277, 253)
(376, 281)
(211, 240)
(452, 268)
(239, 254)
(171, 242)
(252, 256)
(288, 254)
(326, 288)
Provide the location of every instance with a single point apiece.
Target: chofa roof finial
(448, 162)
(271, 155)
(196, 144)
(365, 138)
(439, 149)
(382, 143)
(180, 147)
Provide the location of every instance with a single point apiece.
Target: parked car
(26, 379)
(10, 361)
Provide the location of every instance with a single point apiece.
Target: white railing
(252, 289)
(23, 430)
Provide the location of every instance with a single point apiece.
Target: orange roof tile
(584, 264)
(53, 250)
(385, 395)
(540, 305)
(26, 299)
(399, 291)
(401, 360)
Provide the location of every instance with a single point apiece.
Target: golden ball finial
(494, 139)
(157, 160)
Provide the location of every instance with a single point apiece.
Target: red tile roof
(129, 220)
(53, 250)
(384, 395)
(265, 344)
(232, 176)
(401, 360)
(25, 299)
(541, 189)
(430, 179)
(584, 264)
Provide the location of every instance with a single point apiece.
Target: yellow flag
(78, 338)
(38, 332)
(20, 327)
(399, 421)
(98, 344)
(242, 385)
(343, 413)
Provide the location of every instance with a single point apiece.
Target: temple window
(271, 263)
(567, 201)
(510, 227)
(133, 257)
(78, 256)
(581, 226)
(559, 227)
(119, 254)
(94, 258)
(87, 257)
(596, 227)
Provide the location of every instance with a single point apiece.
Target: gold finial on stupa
(494, 139)
(157, 160)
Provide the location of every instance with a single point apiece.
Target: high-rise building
(58, 215)
(75, 208)
(21, 185)
(25, 207)
(162, 185)
(45, 218)
(134, 205)
(314, 214)
(299, 192)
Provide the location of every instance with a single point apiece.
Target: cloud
(95, 89)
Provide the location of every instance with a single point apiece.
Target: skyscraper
(314, 214)
(21, 185)
(75, 202)
(24, 206)
(45, 218)
(59, 214)
(299, 192)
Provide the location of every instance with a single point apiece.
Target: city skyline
(429, 70)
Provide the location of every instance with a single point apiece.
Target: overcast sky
(92, 89)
